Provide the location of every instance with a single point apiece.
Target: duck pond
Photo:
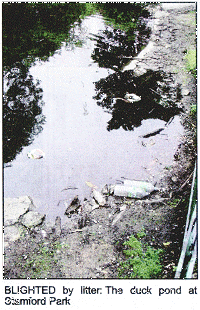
(65, 93)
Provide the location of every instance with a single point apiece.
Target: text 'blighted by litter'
(72, 296)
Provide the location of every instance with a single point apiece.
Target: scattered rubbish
(68, 188)
(153, 133)
(99, 198)
(108, 189)
(132, 97)
(90, 184)
(166, 244)
(7, 165)
(134, 189)
(149, 143)
(36, 154)
(73, 207)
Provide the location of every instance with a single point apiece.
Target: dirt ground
(91, 245)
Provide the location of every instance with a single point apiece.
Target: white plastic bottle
(140, 184)
(130, 191)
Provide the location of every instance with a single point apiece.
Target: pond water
(85, 139)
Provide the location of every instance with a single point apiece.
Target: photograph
(100, 153)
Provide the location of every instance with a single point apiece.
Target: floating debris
(132, 97)
(153, 133)
(69, 188)
(36, 154)
(90, 184)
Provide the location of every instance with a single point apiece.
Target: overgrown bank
(92, 245)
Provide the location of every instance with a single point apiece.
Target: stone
(174, 179)
(74, 206)
(185, 92)
(99, 198)
(32, 219)
(57, 226)
(16, 207)
(12, 233)
(87, 206)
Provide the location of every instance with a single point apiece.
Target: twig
(183, 185)
(74, 231)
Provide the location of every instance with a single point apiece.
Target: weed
(141, 233)
(174, 203)
(193, 110)
(140, 264)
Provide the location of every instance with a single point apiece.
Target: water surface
(76, 139)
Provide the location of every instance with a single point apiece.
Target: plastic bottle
(140, 184)
(134, 189)
(129, 191)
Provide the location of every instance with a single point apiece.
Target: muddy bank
(90, 244)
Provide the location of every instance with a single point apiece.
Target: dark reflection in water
(30, 31)
(36, 29)
(124, 37)
(158, 91)
(115, 48)
(22, 111)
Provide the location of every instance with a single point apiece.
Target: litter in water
(36, 154)
(132, 97)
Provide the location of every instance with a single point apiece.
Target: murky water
(76, 138)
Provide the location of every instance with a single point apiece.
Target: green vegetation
(141, 233)
(191, 61)
(173, 203)
(193, 110)
(141, 262)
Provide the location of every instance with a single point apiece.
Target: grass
(190, 58)
(141, 262)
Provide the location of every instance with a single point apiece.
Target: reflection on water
(114, 48)
(75, 139)
(22, 111)
(36, 29)
(159, 95)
